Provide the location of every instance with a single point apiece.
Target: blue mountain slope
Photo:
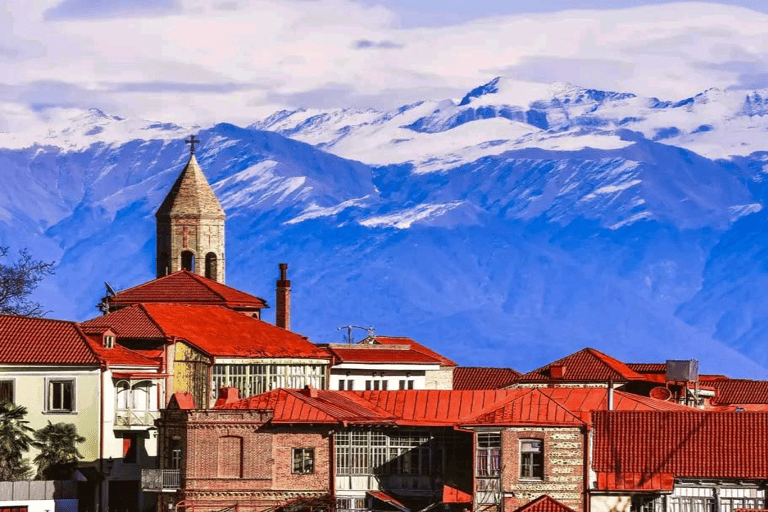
(643, 250)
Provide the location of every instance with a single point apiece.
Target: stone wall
(563, 467)
(439, 379)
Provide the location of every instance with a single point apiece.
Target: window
(367, 385)
(341, 385)
(188, 260)
(410, 384)
(406, 384)
(109, 341)
(532, 458)
(61, 395)
(254, 379)
(175, 452)
(6, 391)
(350, 385)
(488, 454)
(303, 460)
(210, 265)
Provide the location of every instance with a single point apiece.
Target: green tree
(18, 280)
(14, 442)
(58, 456)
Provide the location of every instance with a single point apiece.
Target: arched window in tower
(188, 260)
(165, 264)
(210, 265)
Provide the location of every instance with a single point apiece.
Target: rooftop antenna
(349, 339)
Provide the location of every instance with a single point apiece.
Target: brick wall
(563, 467)
(237, 458)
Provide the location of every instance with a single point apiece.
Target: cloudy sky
(204, 61)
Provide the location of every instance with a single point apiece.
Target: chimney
(283, 312)
(310, 391)
(557, 371)
(227, 396)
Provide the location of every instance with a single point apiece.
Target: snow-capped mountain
(507, 227)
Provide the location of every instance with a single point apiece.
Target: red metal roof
(587, 365)
(313, 406)
(386, 498)
(433, 407)
(637, 446)
(544, 503)
(26, 340)
(468, 377)
(454, 495)
(216, 330)
(738, 391)
(183, 401)
(418, 347)
(188, 288)
(529, 407)
(586, 400)
(371, 354)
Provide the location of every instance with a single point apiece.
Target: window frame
(49, 395)
(301, 452)
(12, 382)
(531, 466)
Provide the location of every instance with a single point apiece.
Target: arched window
(210, 265)
(165, 264)
(188, 260)
(230, 457)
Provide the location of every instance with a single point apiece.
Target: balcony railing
(160, 480)
(126, 418)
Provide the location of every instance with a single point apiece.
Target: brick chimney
(283, 312)
(227, 396)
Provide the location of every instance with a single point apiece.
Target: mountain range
(508, 227)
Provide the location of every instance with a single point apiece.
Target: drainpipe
(587, 448)
(610, 394)
(332, 467)
(102, 371)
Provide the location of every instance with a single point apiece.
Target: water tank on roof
(682, 370)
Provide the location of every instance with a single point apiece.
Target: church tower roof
(191, 195)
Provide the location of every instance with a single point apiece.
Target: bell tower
(190, 225)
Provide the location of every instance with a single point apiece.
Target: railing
(126, 418)
(159, 480)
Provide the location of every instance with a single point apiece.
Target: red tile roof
(648, 367)
(544, 504)
(26, 340)
(587, 365)
(119, 355)
(216, 330)
(188, 288)
(468, 377)
(394, 354)
(631, 448)
(131, 322)
(418, 347)
(738, 391)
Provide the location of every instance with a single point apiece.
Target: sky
(206, 61)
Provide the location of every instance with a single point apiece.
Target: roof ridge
(38, 318)
(200, 279)
(84, 338)
(142, 306)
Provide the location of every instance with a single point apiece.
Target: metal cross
(192, 141)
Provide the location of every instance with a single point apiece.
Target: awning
(386, 498)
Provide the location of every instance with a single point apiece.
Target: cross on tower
(192, 141)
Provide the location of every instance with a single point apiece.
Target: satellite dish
(661, 393)
(110, 291)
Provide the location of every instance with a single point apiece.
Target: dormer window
(109, 341)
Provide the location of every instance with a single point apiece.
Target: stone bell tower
(190, 225)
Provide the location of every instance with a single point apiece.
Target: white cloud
(249, 58)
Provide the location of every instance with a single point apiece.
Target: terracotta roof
(648, 367)
(527, 407)
(191, 195)
(418, 347)
(632, 448)
(26, 340)
(544, 504)
(738, 391)
(469, 377)
(313, 406)
(216, 330)
(395, 354)
(128, 323)
(587, 365)
(119, 355)
(188, 288)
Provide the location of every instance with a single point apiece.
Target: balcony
(131, 418)
(160, 480)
